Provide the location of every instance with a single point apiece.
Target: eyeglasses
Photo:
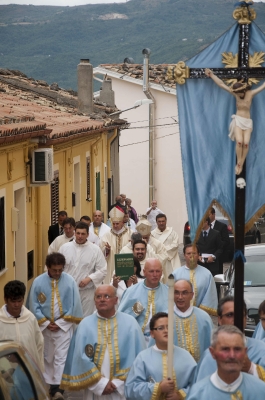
(228, 315)
(104, 296)
(184, 294)
(161, 328)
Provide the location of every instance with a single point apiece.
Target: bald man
(99, 357)
(97, 226)
(147, 297)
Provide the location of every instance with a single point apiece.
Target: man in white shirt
(128, 222)
(152, 212)
(92, 237)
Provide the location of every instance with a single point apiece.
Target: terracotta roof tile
(157, 72)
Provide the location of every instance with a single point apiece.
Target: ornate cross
(246, 67)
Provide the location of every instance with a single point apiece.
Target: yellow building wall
(35, 202)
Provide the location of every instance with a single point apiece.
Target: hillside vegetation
(47, 42)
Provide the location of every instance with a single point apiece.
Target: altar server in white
(147, 379)
(69, 232)
(54, 300)
(19, 324)
(86, 264)
(103, 350)
(170, 240)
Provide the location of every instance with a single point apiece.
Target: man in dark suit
(57, 229)
(222, 229)
(210, 243)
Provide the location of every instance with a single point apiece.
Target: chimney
(106, 93)
(85, 86)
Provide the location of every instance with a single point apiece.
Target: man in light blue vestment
(260, 328)
(55, 301)
(147, 297)
(254, 363)
(205, 295)
(148, 377)
(103, 350)
(192, 327)
(228, 382)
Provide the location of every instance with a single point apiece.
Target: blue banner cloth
(208, 155)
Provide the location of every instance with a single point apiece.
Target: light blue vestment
(86, 353)
(137, 300)
(40, 300)
(205, 295)
(150, 367)
(192, 333)
(250, 389)
(259, 332)
(256, 353)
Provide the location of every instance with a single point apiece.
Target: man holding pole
(149, 375)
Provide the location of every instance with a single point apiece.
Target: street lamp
(137, 104)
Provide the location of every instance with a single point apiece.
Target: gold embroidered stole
(194, 285)
(237, 396)
(187, 332)
(151, 300)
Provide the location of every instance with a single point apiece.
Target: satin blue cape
(208, 155)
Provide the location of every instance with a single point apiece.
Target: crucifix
(243, 69)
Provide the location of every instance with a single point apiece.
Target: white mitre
(144, 227)
(116, 214)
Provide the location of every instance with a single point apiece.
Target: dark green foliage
(47, 42)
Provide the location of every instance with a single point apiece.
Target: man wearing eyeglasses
(103, 350)
(254, 362)
(193, 327)
(148, 375)
(205, 295)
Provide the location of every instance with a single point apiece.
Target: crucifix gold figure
(241, 125)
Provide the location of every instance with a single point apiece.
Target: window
(88, 178)
(55, 198)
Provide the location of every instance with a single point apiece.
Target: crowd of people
(102, 337)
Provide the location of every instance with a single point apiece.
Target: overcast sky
(60, 2)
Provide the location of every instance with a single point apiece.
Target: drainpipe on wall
(146, 89)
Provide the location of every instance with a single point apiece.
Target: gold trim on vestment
(156, 392)
(74, 386)
(194, 285)
(58, 297)
(261, 372)
(102, 332)
(182, 394)
(52, 300)
(42, 320)
(237, 396)
(70, 318)
(188, 339)
(151, 300)
(209, 310)
(118, 240)
(81, 376)
(110, 349)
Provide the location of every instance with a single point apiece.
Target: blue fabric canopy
(208, 155)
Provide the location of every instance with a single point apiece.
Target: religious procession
(97, 334)
(121, 311)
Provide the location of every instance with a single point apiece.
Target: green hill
(47, 42)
